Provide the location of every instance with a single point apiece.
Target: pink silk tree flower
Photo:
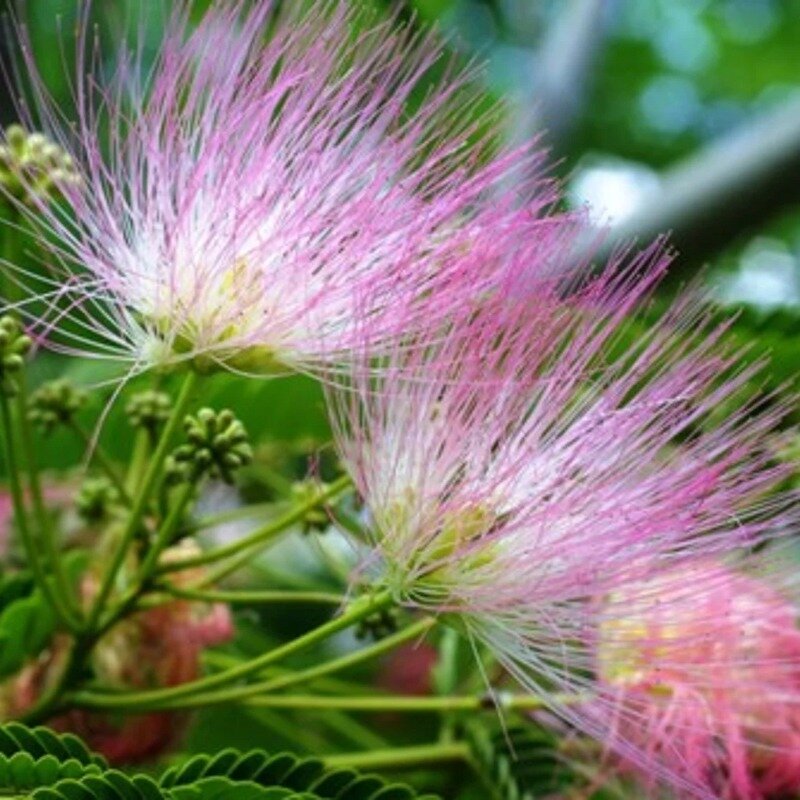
(548, 448)
(249, 198)
(704, 664)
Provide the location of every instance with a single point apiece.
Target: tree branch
(561, 69)
(725, 190)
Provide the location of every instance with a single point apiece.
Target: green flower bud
(14, 346)
(149, 410)
(306, 491)
(378, 625)
(217, 446)
(96, 499)
(55, 403)
(32, 167)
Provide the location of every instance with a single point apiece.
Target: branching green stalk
(141, 499)
(130, 600)
(262, 535)
(238, 693)
(325, 684)
(415, 631)
(63, 591)
(44, 524)
(166, 533)
(188, 694)
(253, 597)
(141, 449)
(401, 703)
(28, 541)
(402, 757)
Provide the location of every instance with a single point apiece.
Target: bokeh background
(678, 116)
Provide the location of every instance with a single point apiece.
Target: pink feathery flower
(703, 663)
(269, 202)
(547, 448)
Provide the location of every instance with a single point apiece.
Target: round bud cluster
(95, 500)
(307, 492)
(379, 625)
(55, 403)
(217, 446)
(14, 345)
(32, 167)
(149, 410)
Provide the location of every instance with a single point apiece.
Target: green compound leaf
(27, 623)
(521, 763)
(44, 765)
(306, 778)
(219, 788)
(109, 785)
(23, 772)
(39, 742)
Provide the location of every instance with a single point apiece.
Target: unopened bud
(14, 345)
(306, 492)
(149, 410)
(217, 446)
(379, 625)
(95, 500)
(32, 167)
(55, 403)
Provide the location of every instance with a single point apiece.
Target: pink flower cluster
(260, 196)
(703, 663)
(546, 454)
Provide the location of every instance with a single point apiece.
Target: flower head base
(513, 473)
(268, 204)
(704, 663)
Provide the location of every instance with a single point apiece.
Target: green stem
(141, 449)
(144, 492)
(402, 757)
(166, 533)
(99, 455)
(254, 597)
(52, 553)
(20, 516)
(415, 631)
(325, 684)
(11, 230)
(238, 693)
(404, 704)
(262, 535)
(187, 694)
